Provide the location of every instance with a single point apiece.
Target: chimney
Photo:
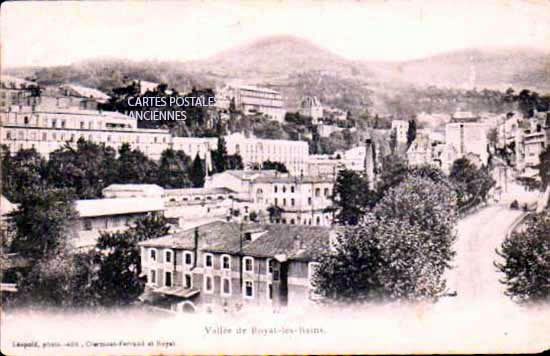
(196, 247)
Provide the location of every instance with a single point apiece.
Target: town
(219, 223)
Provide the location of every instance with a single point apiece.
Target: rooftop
(300, 242)
(117, 206)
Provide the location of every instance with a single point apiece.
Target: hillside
(297, 67)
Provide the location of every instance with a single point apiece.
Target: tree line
(88, 167)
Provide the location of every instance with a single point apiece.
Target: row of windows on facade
(208, 284)
(63, 124)
(305, 221)
(208, 261)
(72, 137)
(276, 190)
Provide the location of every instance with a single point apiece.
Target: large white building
(300, 200)
(251, 99)
(468, 137)
(47, 131)
(255, 151)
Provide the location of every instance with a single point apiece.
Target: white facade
(251, 99)
(400, 127)
(47, 131)
(468, 137)
(294, 154)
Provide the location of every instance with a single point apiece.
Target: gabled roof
(87, 92)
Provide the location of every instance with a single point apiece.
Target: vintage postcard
(274, 177)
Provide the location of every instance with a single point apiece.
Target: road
(474, 276)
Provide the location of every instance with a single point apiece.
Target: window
(275, 188)
(54, 123)
(318, 220)
(248, 264)
(87, 224)
(269, 263)
(153, 277)
(248, 289)
(168, 279)
(292, 201)
(269, 291)
(188, 281)
(208, 284)
(8, 135)
(44, 136)
(292, 189)
(153, 254)
(226, 262)
(26, 120)
(284, 201)
(317, 192)
(187, 258)
(309, 200)
(276, 202)
(208, 260)
(284, 188)
(226, 286)
(168, 256)
(62, 123)
(326, 192)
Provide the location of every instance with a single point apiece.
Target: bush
(527, 261)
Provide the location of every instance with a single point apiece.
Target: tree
(394, 171)
(173, 171)
(526, 264)
(197, 172)
(544, 167)
(393, 142)
(42, 221)
(118, 279)
(134, 167)
(351, 197)
(411, 132)
(278, 166)
(21, 172)
(399, 250)
(87, 169)
(472, 183)
(220, 157)
(492, 136)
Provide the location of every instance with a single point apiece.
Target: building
(80, 91)
(303, 200)
(420, 151)
(195, 145)
(468, 137)
(311, 106)
(252, 100)
(133, 191)
(255, 151)
(225, 267)
(49, 129)
(109, 215)
(400, 127)
(334, 114)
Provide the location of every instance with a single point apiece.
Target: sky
(62, 32)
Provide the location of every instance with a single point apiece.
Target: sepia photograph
(274, 177)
